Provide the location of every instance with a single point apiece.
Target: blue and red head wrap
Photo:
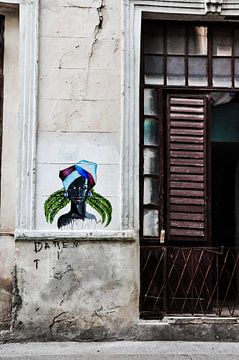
(84, 168)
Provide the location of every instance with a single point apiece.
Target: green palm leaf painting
(58, 201)
(102, 206)
(54, 204)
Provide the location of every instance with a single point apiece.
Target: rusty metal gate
(189, 281)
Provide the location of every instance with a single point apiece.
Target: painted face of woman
(78, 191)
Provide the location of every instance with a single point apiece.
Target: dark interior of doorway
(225, 173)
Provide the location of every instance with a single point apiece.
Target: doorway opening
(225, 171)
(189, 169)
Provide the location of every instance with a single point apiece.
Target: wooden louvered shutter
(187, 193)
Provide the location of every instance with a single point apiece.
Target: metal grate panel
(189, 281)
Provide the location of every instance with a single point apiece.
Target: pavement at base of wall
(122, 350)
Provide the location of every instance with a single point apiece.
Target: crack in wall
(87, 7)
(77, 7)
(98, 27)
(101, 18)
(56, 319)
(117, 44)
(97, 30)
(102, 314)
(65, 54)
(63, 297)
(69, 292)
(60, 274)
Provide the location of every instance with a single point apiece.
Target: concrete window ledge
(94, 235)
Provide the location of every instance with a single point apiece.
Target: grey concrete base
(121, 350)
(189, 329)
(168, 329)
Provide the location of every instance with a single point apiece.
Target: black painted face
(78, 191)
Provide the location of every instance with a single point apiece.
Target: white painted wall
(79, 98)
(10, 113)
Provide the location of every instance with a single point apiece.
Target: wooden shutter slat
(183, 192)
(183, 109)
(193, 162)
(187, 154)
(186, 200)
(187, 170)
(194, 147)
(187, 139)
(184, 101)
(186, 177)
(187, 208)
(187, 224)
(186, 185)
(179, 131)
(187, 166)
(179, 116)
(187, 216)
(187, 232)
(187, 124)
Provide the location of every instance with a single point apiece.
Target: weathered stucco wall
(9, 168)
(76, 290)
(10, 112)
(7, 247)
(80, 97)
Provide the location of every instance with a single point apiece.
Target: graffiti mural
(78, 190)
